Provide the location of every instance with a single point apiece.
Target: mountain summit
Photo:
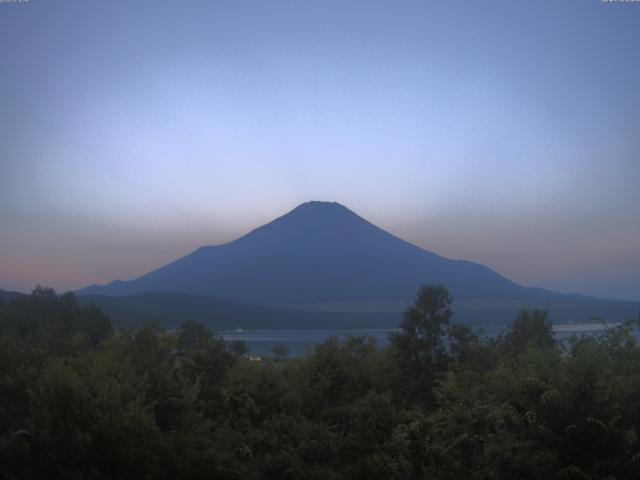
(318, 252)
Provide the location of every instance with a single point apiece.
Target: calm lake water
(261, 342)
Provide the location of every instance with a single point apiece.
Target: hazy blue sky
(503, 132)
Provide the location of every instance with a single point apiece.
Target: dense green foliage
(440, 402)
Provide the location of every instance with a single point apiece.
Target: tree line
(79, 400)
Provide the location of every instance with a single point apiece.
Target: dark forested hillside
(80, 400)
(171, 309)
(6, 295)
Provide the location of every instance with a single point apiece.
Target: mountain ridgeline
(318, 252)
(323, 254)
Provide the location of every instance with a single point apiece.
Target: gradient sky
(503, 132)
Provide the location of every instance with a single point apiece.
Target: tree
(419, 347)
(462, 342)
(193, 336)
(280, 352)
(239, 347)
(529, 329)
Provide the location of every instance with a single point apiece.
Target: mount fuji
(321, 255)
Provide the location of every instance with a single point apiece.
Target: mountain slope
(318, 252)
(7, 296)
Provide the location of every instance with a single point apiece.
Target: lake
(261, 342)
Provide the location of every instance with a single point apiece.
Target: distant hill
(6, 295)
(321, 256)
(173, 308)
